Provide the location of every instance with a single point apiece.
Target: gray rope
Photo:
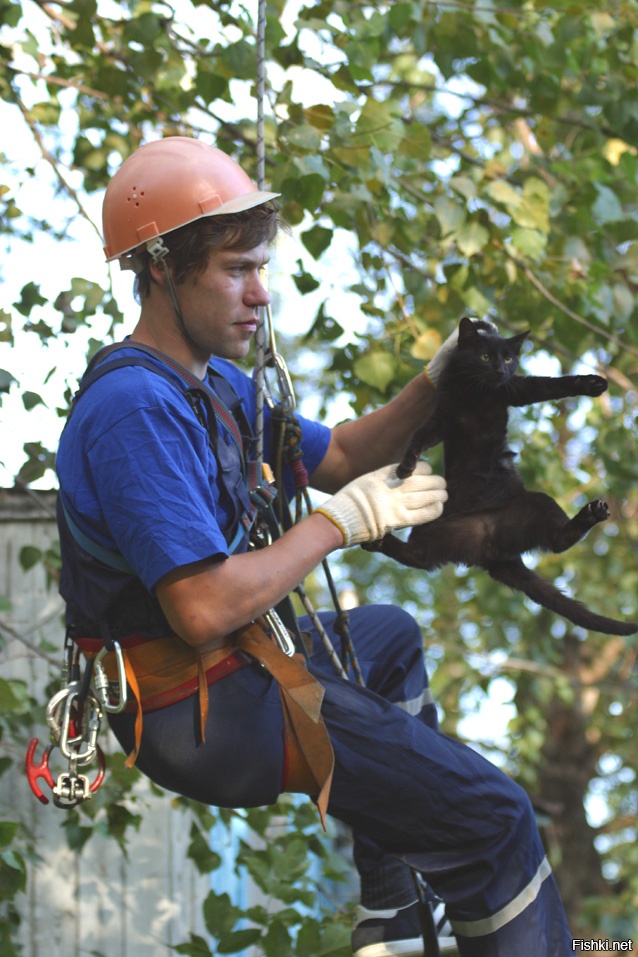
(260, 336)
(259, 373)
(261, 93)
(321, 631)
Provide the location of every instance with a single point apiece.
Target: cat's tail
(517, 575)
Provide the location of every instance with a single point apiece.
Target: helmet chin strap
(159, 251)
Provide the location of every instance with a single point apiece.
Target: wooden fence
(99, 901)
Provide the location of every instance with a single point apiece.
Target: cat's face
(486, 355)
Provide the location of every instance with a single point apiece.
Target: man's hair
(190, 246)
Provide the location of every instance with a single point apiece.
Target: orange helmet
(169, 183)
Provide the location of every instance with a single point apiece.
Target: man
(153, 523)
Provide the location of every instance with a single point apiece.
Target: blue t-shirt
(138, 475)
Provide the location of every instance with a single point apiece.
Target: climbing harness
(75, 712)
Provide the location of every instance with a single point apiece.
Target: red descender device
(74, 715)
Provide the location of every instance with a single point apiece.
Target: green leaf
(234, 942)
(6, 380)
(317, 239)
(220, 914)
(320, 116)
(8, 830)
(378, 125)
(607, 208)
(13, 875)
(304, 281)
(239, 61)
(14, 698)
(76, 834)
(305, 137)
(31, 399)
(29, 556)
(335, 940)
(417, 142)
(199, 851)
(376, 369)
(450, 214)
(503, 193)
(529, 242)
(196, 947)
(29, 298)
(38, 461)
(47, 112)
(472, 238)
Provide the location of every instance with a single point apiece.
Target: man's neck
(165, 336)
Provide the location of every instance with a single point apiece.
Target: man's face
(221, 305)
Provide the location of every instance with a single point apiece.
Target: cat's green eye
(508, 359)
(485, 357)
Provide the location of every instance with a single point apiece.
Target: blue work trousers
(412, 795)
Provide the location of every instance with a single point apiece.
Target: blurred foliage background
(446, 158)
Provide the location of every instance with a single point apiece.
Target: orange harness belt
(162, 671)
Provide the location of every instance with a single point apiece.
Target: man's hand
(379, 502)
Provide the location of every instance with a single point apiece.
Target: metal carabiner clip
(102, 684)
(79, 729)
(54, 707)
(284, 381)
(280, 633)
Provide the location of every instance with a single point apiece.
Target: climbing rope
(290, 431)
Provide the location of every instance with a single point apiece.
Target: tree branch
(53, 163)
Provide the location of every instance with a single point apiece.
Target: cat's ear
(467, 331)
(516, 342)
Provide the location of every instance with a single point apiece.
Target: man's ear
(158, 274)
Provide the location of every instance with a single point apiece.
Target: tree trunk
(569, 763)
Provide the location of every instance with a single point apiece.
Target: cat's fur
(490, 519)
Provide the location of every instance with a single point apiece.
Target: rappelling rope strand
(264, 355)
(261, 93)
(287, 439)
(321, 631)
(260, 335)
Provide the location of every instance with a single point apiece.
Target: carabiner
(72, 734)
(54, 719)
(284, 382)
(280, 633)
(102, 684)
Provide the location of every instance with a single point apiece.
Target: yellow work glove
(379, 502)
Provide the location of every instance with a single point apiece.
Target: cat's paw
(598, 511)
(405, 468)
(376, 546)
(591, 385)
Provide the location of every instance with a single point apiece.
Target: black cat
(490, 519)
